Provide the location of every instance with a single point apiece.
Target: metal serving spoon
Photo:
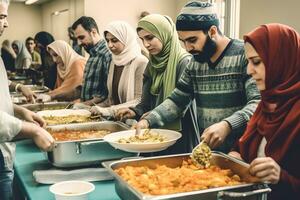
(201, 155)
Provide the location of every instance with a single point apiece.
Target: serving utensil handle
(223, 194)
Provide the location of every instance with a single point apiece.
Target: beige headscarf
(68, 55)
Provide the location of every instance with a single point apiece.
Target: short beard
(87, 47)
(209, 49)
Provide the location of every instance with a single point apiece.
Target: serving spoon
(201, 154)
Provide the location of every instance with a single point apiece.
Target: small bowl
(72, 190)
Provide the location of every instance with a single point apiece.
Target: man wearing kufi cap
(226, 97)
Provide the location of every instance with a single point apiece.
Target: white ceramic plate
(171, 138)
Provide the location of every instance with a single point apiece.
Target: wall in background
(23, 21)
(106, 11)
(58, 15)
(256, 12)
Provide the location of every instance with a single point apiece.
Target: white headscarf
(21, 55)
(127, 36)
(68, 55)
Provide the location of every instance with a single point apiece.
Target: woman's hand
(29, 94)
(124, 113)
(266, 169)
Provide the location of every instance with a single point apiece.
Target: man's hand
(29, 94)
(97, 110)
(29, 116)
(143, 124)
(124, 113)
(266, 169)
(215, 135)
(40, 136)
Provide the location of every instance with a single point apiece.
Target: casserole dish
(87, 151)
(250, 190)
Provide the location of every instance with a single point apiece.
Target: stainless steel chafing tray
(34, 88)
(89, 151)
(46, 106)
(249, 191)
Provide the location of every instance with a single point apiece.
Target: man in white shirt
(13, 128)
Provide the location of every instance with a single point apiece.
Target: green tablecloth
(30, 158)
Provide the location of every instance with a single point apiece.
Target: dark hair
(44, 38)
(28, 39)
(88, 23)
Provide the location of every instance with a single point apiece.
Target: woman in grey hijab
(23, 59)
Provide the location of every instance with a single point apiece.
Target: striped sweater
(222, 90)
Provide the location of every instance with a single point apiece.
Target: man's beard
(209, 49)
(87, 47)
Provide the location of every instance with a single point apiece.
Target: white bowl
(170, 135)
(72, 190)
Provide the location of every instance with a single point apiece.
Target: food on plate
(147, 137)
(69, 119)
(69, 135)
(163, 180)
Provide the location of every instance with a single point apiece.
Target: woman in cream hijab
(70, 67)
(23, 59)
(125, 76)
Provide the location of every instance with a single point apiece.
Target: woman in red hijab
(271, 143)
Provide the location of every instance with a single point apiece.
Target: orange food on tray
(165, 180)
(69, 135)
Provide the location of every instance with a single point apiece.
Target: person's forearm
(28, 130)
(166, 112)
(10, 126)
(18, 110)
(241, 117)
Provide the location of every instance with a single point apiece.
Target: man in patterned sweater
(216, 78)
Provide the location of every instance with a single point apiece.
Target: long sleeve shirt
(95, 72)
(9, 125)
(222, 91)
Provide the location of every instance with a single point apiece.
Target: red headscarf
(277, 117)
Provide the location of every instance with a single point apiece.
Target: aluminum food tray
(249, 191)
(89, 151)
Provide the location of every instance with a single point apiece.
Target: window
(229, 14)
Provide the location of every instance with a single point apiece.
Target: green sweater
(222, 91)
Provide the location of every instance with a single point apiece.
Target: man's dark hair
(28, 39)
(88, 23)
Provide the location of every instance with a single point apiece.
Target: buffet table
(30, 158)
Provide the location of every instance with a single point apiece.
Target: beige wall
(104, 11)
(24, 21)
(256, 12)
(75, 9)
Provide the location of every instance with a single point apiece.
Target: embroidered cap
(197, 15)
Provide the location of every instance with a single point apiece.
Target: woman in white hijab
(70, 68)
(23, 59)
(125, 76)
